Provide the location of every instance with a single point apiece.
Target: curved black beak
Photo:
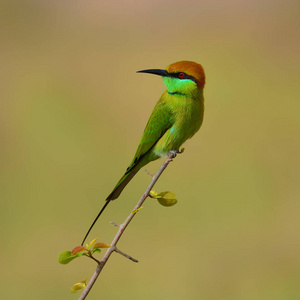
(155, 72)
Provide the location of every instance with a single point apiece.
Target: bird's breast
(187, 119)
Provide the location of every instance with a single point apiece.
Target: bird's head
(181, 78)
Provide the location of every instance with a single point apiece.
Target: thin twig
(126, 255)
(123, 226)
(148, 172)
(92, 257)
(115, 224)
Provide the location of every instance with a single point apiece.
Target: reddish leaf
(78, 249)
(101, 245)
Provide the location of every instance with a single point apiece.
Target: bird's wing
(159, 122)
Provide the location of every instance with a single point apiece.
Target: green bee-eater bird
(176, 117)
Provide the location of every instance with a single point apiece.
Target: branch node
(137, 209)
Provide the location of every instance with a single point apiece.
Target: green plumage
(176, 117)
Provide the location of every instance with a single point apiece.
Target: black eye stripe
(186, 76)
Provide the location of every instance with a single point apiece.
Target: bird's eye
(181, 75)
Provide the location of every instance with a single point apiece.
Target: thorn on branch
(115, 224)
(148, 172)
(126, 255)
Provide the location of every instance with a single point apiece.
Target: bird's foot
(181, 150)
(148, 172)
(174, 153)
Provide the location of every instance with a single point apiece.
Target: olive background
(73, 110)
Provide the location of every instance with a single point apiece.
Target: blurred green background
(72, 113)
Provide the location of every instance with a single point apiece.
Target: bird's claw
(175, 152)
(181, 151)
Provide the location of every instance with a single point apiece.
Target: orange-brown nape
(191, 68)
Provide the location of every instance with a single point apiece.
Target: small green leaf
(80, 254)
(153, 194)
(78, 286)
(166, 198)
(136, 210)
(96, 250)
(92, 242)
(65, 257)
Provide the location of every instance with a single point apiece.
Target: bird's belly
(175, 137)
(166, 143)
(188, 119)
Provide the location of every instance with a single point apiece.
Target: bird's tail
(101, 211)
(114, 194)
(122, 183)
